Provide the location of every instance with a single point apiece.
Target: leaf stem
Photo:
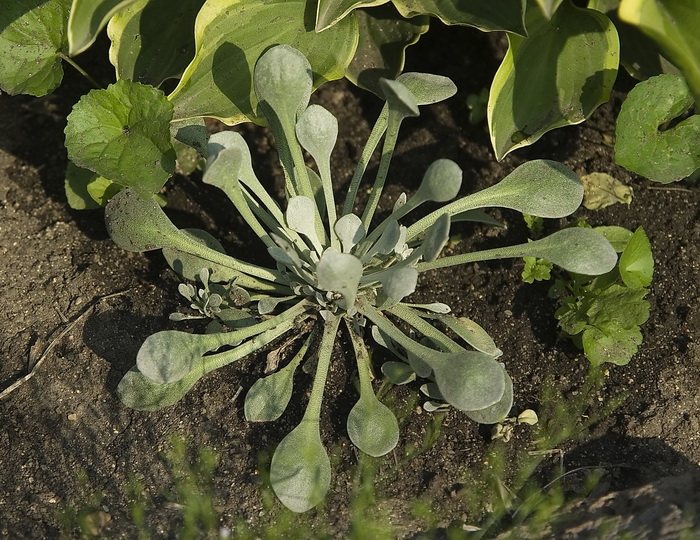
(371, 145)
(325, 351)
(412, 317)
(80, 70)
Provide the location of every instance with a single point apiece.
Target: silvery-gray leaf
(350, 231)
(431, 390)
(437, 236)
(399, 282)
(427, 88)
(398, 372)
(340, 273)
(267, 304)
(434, 406)
(440, 183)
(282, 77)
(387, 242)
(435, 307)
(477, 216)
(280, 255)
(300, 215)
(188, 265)
(473, 334)
(317, 132)
(220, 141)
(399, 98)
(498, 411)
(400, 201)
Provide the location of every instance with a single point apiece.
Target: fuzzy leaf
(317, 131)
(269, 396)
(436, 237)
(300, 472)
(169, 355)
(283, 79)
(300, 218)
(140, 393)
(473, 334)
(372, 426)
(32, 39)
(231, 35)
(350, 231)
(137, 224)
(188, 266)
(398, 372)
(643, 146)
(123, 133)
(340, 273)
(427, 88)
(498, 411)
(469, 381)
(399, 282)
(637, 262)
(399, 98)
(441, 182)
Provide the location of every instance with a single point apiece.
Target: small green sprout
(332, 268)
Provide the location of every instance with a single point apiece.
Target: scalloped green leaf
(123, 133)
(87, 18)
(146, 50)
(32, 42)
(230, 36)
(643, 146)
(507, 15)
(557, 76)
(384, 36)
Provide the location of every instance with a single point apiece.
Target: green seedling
(332, 269)
(603, 314)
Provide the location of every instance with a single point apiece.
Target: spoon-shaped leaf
(427, 88)
(399, 281)
(540, 188)
(350, 231)
(300, 472)
(300, 218)
(282, 77)
(317, 131)
(399, 98)
(498, 411)
(371, 425)
(137, 224)
(398, 372)
(578, 250)
(340, 273)
(269, 396)
(467, 380)
(473, 334)
(440, 183)
(167, 356)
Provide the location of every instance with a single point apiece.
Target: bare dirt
(80, 306)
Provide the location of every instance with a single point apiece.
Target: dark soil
(81, 306)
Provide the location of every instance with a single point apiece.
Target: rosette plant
(332, 268)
